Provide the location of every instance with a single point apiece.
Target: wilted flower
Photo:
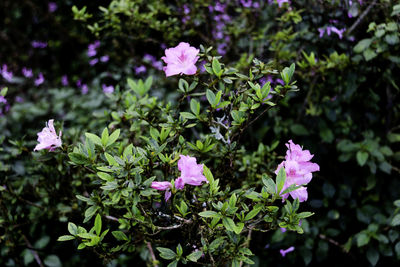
(181, 60)
(39, 80)
(48, 138)
(285, 251)
(298, 170)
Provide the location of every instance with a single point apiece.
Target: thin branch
(361, 17)
(111, 218)
(153, 256)
(247, 243)
(34, 253)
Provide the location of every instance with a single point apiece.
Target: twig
(247, 243)
(34, 253)
(111, 218)
(153, 256)
(169, 227)
(361, 17)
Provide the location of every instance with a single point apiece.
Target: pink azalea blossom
(285, 251)
(181, 60)
(191, 173)
(298, 170)
(48, 138)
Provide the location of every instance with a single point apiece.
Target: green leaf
(209, 213)
(104, 137)
(113, 137)
(166, 253)
(298, 129)
(195, 106)
(105, 176)
(77, 158)
(362, 157)
(369, 54)
(208, 174)
(396, 220)
(94, 138)
(372, 256)
(97, 224)
(362, 45)
(194, 256)
(90, 212)
(52, 261)
(72, 228)
(280, 179)
(66, 238)
(362, 239)
(216, 67)
(210, 97)
(305, 214)
(229, 224)
(188, 115)
(269, 185)
(253, 213)
(121, 236)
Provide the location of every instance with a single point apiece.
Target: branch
(153, 257)
(362, 16)
(34, 253)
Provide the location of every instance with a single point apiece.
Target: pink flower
(48, 138)
(284, 252)
(181, 60)
(298, 170)
(191, 172)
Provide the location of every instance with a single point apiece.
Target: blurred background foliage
(346, 112)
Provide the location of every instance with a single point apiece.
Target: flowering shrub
(122, 193)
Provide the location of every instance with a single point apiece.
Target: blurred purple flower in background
(92, 48)
(107, 89)
(3, 99)
(38, 44)
(285, 251)
(105, 58)
(84, 89)
(93, 61)
(27, 72)
(39, 80)
(7, 75)
(140, 69)
(52, 6)
(64, 80)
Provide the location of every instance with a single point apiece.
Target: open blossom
(285, 251)
(181, 60)
(48, 138)
(298, 170)
(191, 173)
